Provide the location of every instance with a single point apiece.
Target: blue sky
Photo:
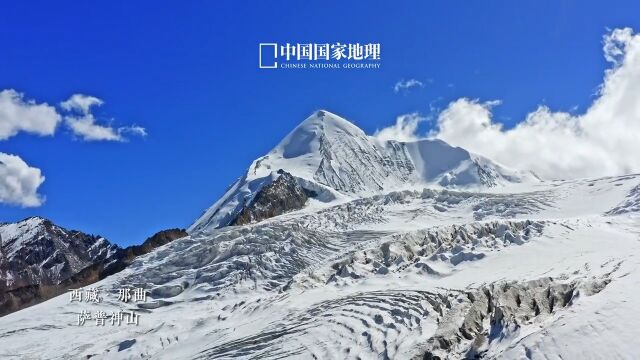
(188, 74)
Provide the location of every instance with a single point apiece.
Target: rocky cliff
(39, 260)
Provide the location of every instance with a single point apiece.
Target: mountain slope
(405, 274)
(334, 159)
(425, 268)
(40, 260)
(36, 251)
(36, 256)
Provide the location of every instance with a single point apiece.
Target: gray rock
(281, 196)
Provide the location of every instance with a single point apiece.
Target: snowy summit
(335, 159)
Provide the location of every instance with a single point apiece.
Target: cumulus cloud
(86, 128)
(406, 85)
(19, 182)
(84, 124)
(404, 129)
(604, 140)
(20, 114)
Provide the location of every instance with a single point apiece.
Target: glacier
(415, 250)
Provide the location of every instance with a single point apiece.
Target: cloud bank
(603, 141)
(19, 182)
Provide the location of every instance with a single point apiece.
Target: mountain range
(337, 245)
(39, 260)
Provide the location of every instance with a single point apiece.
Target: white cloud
(80, 102)
(604, 140)
(86, 128)
(406, 85)
(18, 114)
(134, 129)
(84, 124)
(404, 129)
(19, 182)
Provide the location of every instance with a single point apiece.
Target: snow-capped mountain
(321, 261)
(39, 260)
(334, 159)
(37, 255)
(36, 251)
(545, 272)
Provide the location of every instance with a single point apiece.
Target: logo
(319, 56)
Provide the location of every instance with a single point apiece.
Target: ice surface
(542, 271)
(408, 251)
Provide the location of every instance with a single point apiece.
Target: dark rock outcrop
(158, 239)
(36, 251)
(282, 195)
(476, 318)
(121, 259)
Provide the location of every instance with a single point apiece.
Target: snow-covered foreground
(546, 271)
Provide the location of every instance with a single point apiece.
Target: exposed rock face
(282, 195)
(498, 310)
(36, 251)
(630, 205)
(158, 239)
(453, 244)
(121, 259)
(37, 255)
(40, 260)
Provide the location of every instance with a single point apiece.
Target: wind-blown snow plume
(19, 182)
(602, 141)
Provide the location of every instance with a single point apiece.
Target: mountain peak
(30, 219)
(36, 251)
(333, 158)
(35, 219)
(323, 114)
(323, 122)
